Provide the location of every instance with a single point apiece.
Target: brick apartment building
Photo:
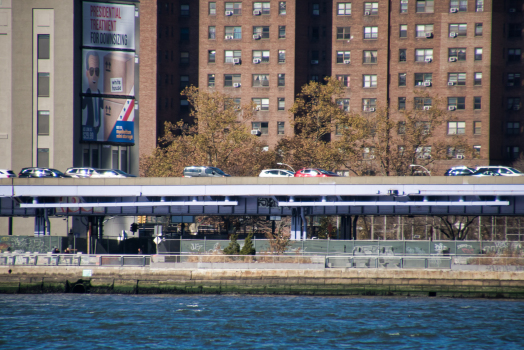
(466, 52)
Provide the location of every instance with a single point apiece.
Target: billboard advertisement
(109, 26)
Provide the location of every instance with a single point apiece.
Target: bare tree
(456, 227)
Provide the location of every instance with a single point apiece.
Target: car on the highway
(276, 173)
(6, 173)
(500, 170)
(315, 172)
(80, 172)
(36, 172)
(110, 173)
(459, 171)
(203, 171)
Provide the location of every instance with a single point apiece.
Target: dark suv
(40, 172)
(459, 171)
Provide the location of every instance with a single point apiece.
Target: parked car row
(304, 172)
(492, 170)
(35, 172)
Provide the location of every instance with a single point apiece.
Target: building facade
(467, 53)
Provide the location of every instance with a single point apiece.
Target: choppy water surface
(67, 321)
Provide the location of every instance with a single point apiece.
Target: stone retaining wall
(341, 281)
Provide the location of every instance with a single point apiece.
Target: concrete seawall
(130, 280)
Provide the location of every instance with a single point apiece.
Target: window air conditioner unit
(236, 60)
(452, 35)
(512, 10)
(372, 109)
(229, 37)
(347, 61)
(451, 108)
(257, 13)
(229, 13)
(516, 108)
(256, 36)
(255, 132)
(237, 85)
(427, 83)
(428, 59)
(367, 13)
(256, 60)
(460, 156)
(453, 59)
(453, 10)
(451, 83)
(314, 61)
(429, 35)
(426, 108)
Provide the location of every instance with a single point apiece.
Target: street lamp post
(287, 166)
(415, 165)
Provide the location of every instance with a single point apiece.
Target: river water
(72, 321)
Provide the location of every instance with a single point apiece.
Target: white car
(276, 173)
(110, 173)
(497, 171)
(5, 173)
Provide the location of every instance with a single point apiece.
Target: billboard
(109, 26)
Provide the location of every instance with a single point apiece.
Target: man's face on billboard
(93, 73)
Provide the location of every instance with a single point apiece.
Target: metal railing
(29, 259)
(381, 262)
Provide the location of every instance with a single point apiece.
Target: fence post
(205, 245)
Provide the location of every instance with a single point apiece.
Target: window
(280, 128)
(421, 102)
(457, 78)
(401, 103)
(262, 56)
(370, 32)
(281, 104)
(184, 57)
(43, 83)
(344, 9)
(424, 30)
(282, 8)
(458, 29)
(229, 56)
(184, 34)
(343, 57)
(478, 54)
(184, 81)
(281, 80)
(262, 103)
(184, 10)
(314, 33)
(477, 149)
(43, 123)
(423, 152)
(403, 6)
(478, 29)
(210, 80)
(369, 57)
(42, 160)
(459, 5)
(513, 79)
(477, 102)
(479, 6)
(369, 104)
(512, 128)
(477, 128)
(314, 57)
(513, 152)
(456, 128)
(344, 79)
(455, 153)
(425, 127)
(457, 54)
(425, 6)
(421, 78)
(261, 126)
(423, 55)
(184, 104)
(211, 33)
(457, 102)
(316, 10)
(314, 78)
(477, 79)
(233, 33)
(514, 30)
(343, 33)
(231, 79)
(401, 79)
(211, 56)
(368, 153)
(403, 31)
(514, 55)
(233, 8)
(371, 9)
(369, 81)
(43, 46)
(343, 104)
(261, 32)
(263, 7)
(235, 103)
(260, 80)
(281, 32)
(281, 56)
(212, 8)
(402, 55)
(513, 103)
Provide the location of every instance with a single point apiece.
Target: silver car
(276, 173)
(497, 171)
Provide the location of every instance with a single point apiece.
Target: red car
(314, 172)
